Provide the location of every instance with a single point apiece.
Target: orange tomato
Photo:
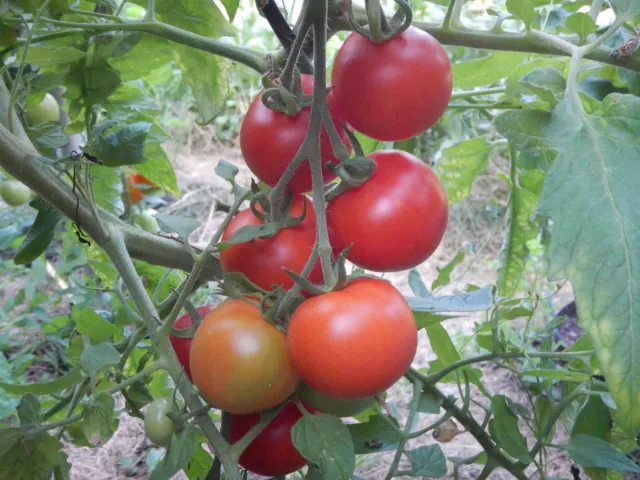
(136, 194)
(239, 361)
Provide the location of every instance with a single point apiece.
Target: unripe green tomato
(333, 406)
(14, 193)
(131, 11)
(157, 425)
(46, 111)
(147, 222)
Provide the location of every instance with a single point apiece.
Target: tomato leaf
(474, 301)
(180, 225)
(96, 357)
(48, 136)
(100, 81)
(249, 233)
(98, 425)
(596, 217)
(107, 188)
(374, 436)
(325, 441)
(46, 55)
(417, 285)
(182, 447)
(40, 234)
(589, 451)
(231, 6)
(460, 165)
(486, 70)
(427, 461)
(505, 427)
(628, 7)
(226, 170)
(523, 10)
(89, 323)
(444, 273)
(520, 229)
(125, 146)
(547, 84)
(582, 24)
(27, 457)
(29, 410)
(54, 386)
(563, 375)
(200, 462)
(526, 130)
(594, 420)
(428, 403)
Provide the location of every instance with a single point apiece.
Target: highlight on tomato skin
(394, 90)
(355, 342)
(239, 361)
(395, 220)
(272, 453)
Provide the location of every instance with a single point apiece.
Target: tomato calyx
(353, 172)
(380, 29)
(279, 98)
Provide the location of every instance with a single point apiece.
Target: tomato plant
(366, 326)
(14, 193)
(182, 346)
(396, 220)
(239, 362)
(333, 406)
(269, 140)
(263, 260)
(158, 427)
(46, 111)
(392, 90)
(272, 453)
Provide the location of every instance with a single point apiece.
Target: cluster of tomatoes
(345, 347)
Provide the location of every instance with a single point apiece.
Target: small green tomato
(46, 111)
(147, 222)
(157, 425)
(14, 193)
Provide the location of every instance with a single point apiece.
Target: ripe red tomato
(263, 260)
(395, 220)
(239, 362)
(269, 140)
(135, 193)
(272, 452)
(393, 90)
(355, 342)
(182, 346)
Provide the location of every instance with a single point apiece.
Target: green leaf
(180, 225)
(29, 410)
(523, 10)
(107, 188)
(200, 462)
(428, 403)
(249, 233)
(460, 165)
(427, 461)
(474, 301)
(447, 353)
(325, 441)
(226, 170)
(182, 447)
(125, 146)
(135, 62)
(98, 424)
(486, 70)
(231, 6)
(544, 410)
(594, 419)
(96, 357)
(100, 81)
(416, 284)
(424, 319)
(626, 7)
(369, 145)
(596, 219)
(89, 323)
(547, 84)
(54, 386)
(48, 135)
(526, 129)
(505, 426)
(374, 436)
(156, 165)
(582, 24)
(50, 55)
(563, 375)
(520, 230)
(40, 234)
(28, 458)
(444, 274)
(589, 451)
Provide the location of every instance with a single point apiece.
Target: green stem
(452, 17)
(595, 8)
(87, 13)
(50, 426)
(241, 445)
(606, 35)
(151, 10)
(157, 365)
(489, 106)
(245, 56)
(406, 434)
(475, 93)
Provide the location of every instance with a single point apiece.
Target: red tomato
(269, 140)
(355, 342)
(393, 90)
(135, 193)
(182, 346)
(263, 260)
(239, 362)
(395, 220)
(272, 452)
